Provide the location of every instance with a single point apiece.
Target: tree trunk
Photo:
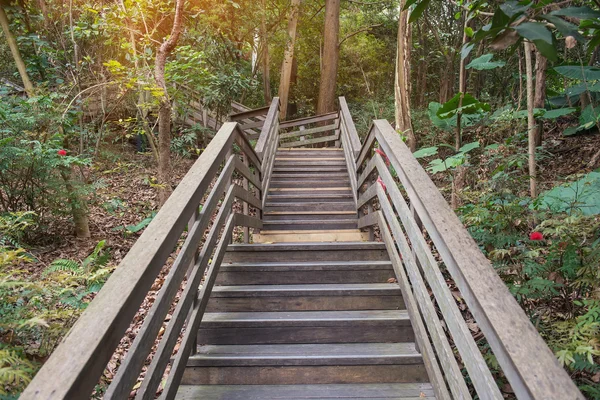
(530, 119)
(462, 88)
(14, 49)
(288, 58)
(541, 64)
(266, 72)
(331, 55)
(164, 112)
(78, 207)
(402, 82)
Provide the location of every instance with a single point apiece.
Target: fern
(15, 371)
(62, 265)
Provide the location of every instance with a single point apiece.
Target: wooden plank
(257, 112)
(161, 358)
(73, 370)
(267, 129)
(531, 368)
(436, 332)
(350, 127)
(367, 171)
(247, 220)
(179, 364)
(433, 370)
(309, 120)
(344, 235)
(368, 220)
(480, 375)
(141, 346)
(252, 125)
(366, 148)
(298, 150)
(350, 165)
(368, 195)
(307, 132)
(310, 141)
(246, 173)
(246, 147)
(244, 195)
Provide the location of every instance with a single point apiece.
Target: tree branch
(363, 29)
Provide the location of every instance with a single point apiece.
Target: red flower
(536, 236)
(62, 152)
(380, 181)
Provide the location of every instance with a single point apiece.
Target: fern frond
(62, 265)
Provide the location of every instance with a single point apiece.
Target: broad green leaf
(470, 105)
(583, 12)
(534, 31)
(446, 124)
(466, 50)
(559, 112)
(514, 8)
(425, 152)
(582, 196)
(564, 27)
(468, 147)
(548, 50)
(418, 10)
(485, 62)
(583, 73)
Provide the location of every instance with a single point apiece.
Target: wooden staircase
(306, 320)
(310, 199)
(314, 307)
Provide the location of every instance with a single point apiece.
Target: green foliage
(16, 371)
(441, 165)
(581, 196)
(469, 105)
(484, 63)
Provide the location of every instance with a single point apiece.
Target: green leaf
(582, 195)
(583, 12)
(583, 73)
(485, 62)
(446, 124)
(468, 147)
(425, 152)
(418, 11)
(559, 112)
(470, 105)
(564, 27)
(548, 50)
(513, 8)
(466, 50)
(534, 31)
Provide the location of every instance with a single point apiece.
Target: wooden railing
(76, 366)
(266, 147)
(406, 224)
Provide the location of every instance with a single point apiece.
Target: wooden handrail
(347, 125)
(529, 365)
(77, 364)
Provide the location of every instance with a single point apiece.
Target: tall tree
(541, 64)
(288, 58)
(266, 72)
(14, 49)
(331, 56)
(164, 112)
(402, 82)
(530, 119)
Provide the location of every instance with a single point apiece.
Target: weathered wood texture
(75, 367)
(529, 365)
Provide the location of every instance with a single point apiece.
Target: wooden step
(309, 162)
(306, 252)
(313, 297)
(311, 224)
(310, 206)
(296, 273)
(309, 175)
(304, 236)
(382, 391)
(372, 326)
(308, 169)
(290, 197)
(309, 215)
(305, 364)
(309, 183)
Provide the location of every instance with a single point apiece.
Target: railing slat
(191, 332)
(265, 134)
(367, 195)
(155, 371)
(429, 359)
(350, 127)
(479, 372)
(257, 112)
(309, 120)
(310, 141)
(436, 332)
(366, 148)
(242, 140)
(80, 359)
(138, 352)
(247, 220)
(308, 131)
(246, 173)
(511, 336)
(244, 195)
